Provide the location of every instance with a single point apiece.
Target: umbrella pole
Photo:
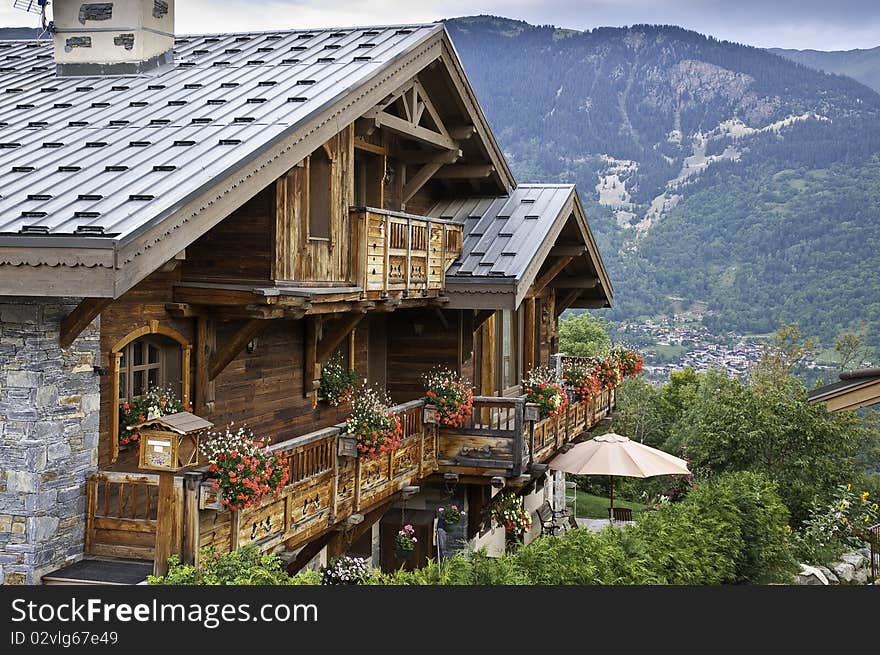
(611, 513)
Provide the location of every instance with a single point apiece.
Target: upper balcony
(401, 255)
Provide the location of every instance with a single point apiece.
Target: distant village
(673, 343)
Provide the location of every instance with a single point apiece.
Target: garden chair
(620, 514)
(547, 517)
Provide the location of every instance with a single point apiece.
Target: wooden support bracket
(419, 180)
(337, 333)
(545, 279)
(223, 357)
(80, 318)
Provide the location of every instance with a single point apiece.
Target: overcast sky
(818, 24)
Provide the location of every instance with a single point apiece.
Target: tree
(781, 356)
(584, 335)
(637, 412)
(851, 350)
(771, 429)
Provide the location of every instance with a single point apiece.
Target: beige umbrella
(612, 454)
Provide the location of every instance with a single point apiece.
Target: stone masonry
(49, 401)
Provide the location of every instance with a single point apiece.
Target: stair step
(101, 572)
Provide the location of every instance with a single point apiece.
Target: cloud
(819, 24)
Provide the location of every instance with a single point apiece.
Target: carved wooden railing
(396, 253)
(491, 443)
(500, 439)
(122, 515)
(325, 488)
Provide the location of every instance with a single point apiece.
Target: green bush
(245, 566)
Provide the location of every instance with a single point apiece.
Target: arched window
(148, 363)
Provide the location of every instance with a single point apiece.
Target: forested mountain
(862, 65)
(712, 171)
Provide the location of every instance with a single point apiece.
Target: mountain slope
(713, 171)
(862, 65)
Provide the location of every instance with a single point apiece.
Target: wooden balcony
(150, 516)
(402, 255)
(501, 440)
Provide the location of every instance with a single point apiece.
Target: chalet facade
(220, 215)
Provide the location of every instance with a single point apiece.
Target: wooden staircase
(101, 571)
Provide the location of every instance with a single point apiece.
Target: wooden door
(390, 524)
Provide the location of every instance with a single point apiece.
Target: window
(147, 363)
(508, 364)
(320, 170)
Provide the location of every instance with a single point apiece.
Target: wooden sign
(209, 497)
(533, 412)
(347, 446)
(431, 415)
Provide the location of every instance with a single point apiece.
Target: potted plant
(405, 542)
(451, 396)
(509, 512)
(450, 516)
(583, 383)
(243, 471)
(629, 362)
(337, 382)
(375, 429)
(543, 391)
(153, 404)
(607, 371)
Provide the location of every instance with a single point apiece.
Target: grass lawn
(596, 507)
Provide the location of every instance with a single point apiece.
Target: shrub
(245, 566)
(346, 571)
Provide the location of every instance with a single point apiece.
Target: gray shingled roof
(849, 381)
(109, 155)
(502, 235)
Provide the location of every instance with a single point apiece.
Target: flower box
(211, 498)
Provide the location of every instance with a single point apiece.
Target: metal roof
(849, 381)
(105, 156)
(502, 235)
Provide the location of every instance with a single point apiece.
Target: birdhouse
(431, 414)
(533, 412)
(170, 443)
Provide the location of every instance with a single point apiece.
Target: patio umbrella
(612, 454)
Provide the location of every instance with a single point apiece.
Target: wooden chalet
(224, 218)
(854, 390)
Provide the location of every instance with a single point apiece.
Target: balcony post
(518, 437)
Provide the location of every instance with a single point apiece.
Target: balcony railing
(402, 254)
(147, 516)
(500, 439)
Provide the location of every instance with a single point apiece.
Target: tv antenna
(34, 7)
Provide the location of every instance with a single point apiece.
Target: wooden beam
(575, 283)
(487, 357)
(332, 338)
(80, 318)
(415, 132)
(223, 357)
(566, 301)
(419, 180)
(361, 144)
(571, 251)
(462, 132)
(463, 172)
(311, 371)
(308, 552)
(554, 270)
(428, 156)
(529, 328)
(480, 317)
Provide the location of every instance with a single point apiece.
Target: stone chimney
(121, 37)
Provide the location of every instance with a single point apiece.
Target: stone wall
(49, 402)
